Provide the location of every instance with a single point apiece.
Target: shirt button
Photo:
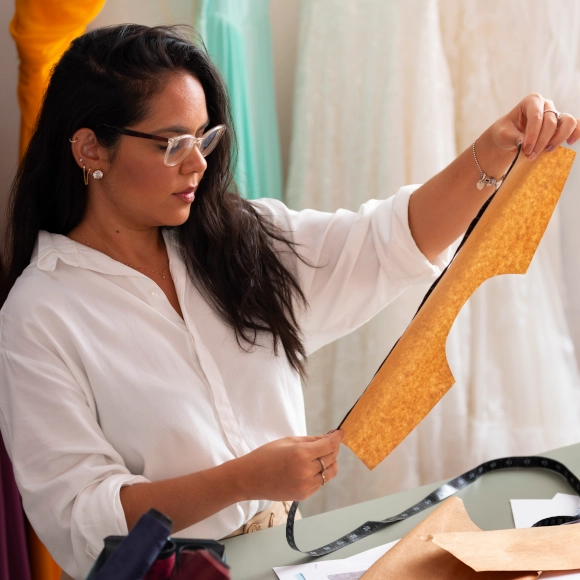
(153, 292)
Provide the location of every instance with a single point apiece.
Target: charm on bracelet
(485, 179)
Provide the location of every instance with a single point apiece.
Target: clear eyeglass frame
(178, 148)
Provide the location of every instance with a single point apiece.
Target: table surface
(252, 556)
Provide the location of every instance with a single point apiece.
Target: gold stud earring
(86, 173)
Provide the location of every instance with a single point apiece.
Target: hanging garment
(14, 562)
(524, 388)
(42, 30)
(375, 108)
(237, 36)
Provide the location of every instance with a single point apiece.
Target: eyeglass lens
(179, 148)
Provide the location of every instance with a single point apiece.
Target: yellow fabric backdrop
(43, 30)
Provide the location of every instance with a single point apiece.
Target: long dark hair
(107, 76)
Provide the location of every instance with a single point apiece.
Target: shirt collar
(53, 247)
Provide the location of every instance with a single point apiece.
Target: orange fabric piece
(43, 30)
(416, 375)
(42, 566)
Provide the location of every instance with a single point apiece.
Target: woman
(155, 325)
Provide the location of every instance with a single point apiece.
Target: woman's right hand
(289, 469)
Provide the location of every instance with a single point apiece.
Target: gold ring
(323, 466)
(323, 478)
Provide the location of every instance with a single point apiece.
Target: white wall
(9, 111)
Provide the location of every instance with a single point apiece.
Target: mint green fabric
(238, 39)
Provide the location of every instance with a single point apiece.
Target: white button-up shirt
(103, 384)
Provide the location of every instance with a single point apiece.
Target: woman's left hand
(530, 123)
(442, 209)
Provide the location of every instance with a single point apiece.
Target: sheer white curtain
(524, 382)
(373, 111)
(486, 44)
(384, 92)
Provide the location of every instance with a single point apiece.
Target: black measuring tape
(441, 493)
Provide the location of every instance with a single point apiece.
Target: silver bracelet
(485, 179)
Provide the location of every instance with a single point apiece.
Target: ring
(558, 115)
(323, 478)
(323, 466)
(72, 140)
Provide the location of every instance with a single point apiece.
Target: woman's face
(136, 185)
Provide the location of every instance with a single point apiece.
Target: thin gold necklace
(162, 273)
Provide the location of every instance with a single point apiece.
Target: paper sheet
(415, 557)
(338, 570)
(547, 548)
(416, 375)
(453, 517)
(371, 555)
(527, 512)
(353, 566)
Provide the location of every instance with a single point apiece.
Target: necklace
(161, 273)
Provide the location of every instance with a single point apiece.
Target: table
(252, 556)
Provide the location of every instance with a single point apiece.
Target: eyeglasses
(179, 147)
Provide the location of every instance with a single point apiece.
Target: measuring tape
(441, 493)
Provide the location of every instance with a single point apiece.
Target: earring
(98, 174)
(86, 173)
(72, 140)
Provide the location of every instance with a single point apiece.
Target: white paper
(294, 572)
(373, 554)
(527, 512)
(338, 570)
(345, 569)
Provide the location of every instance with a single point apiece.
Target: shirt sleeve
(355, 262)
(68, 474)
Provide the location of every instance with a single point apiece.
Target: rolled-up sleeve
(355, 263)
(68, 474)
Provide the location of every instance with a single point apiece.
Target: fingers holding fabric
(575, 134)
(544, 126)
(530, 121)
(327, 459)
(323, 476)
(325, 463)
(565, 132)
(548, 129)
(288, 468)
(324, 466)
